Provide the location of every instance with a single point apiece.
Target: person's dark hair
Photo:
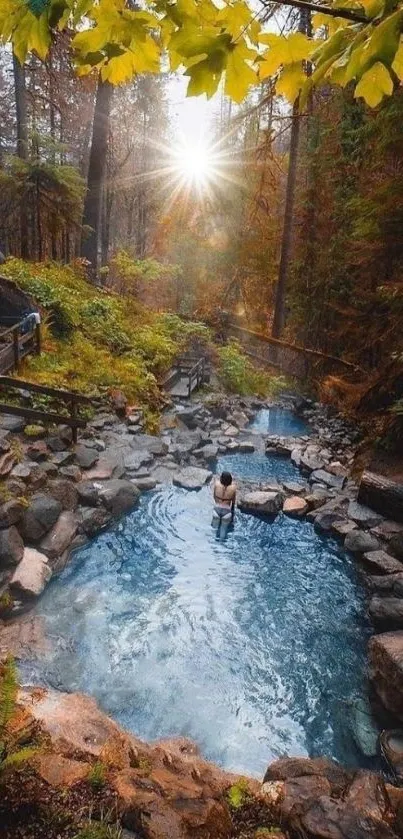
(226, 479)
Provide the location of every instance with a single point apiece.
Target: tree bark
(286, 240)
(22, 144)
(92, 217)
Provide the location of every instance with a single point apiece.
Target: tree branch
(347, 14)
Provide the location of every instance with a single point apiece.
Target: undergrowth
(239, 375)
(95, 340)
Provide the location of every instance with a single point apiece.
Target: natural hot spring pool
(252, 646)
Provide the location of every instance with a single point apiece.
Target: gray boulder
(359, 542)
(93, 520)
(144, 484)
(191, 478)
(39, 517)
(31, 575)
(88, 493)
(396, 545)
(246, 447)
(119, 496)
(323, 477)
(134, 461)
(363, 515)
(326, 521)
(152, 444)
(208, 452)
(261, 502)
(11, 547)
(86, 457)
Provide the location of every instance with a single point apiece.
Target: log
(382, 495)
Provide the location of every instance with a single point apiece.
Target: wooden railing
(15, 344)
(291, 359)
(194, 370)
(70, 399)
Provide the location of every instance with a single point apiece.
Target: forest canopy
(350, 42)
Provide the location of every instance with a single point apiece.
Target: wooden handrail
(64, 395)
(276, 342)
(45, 416)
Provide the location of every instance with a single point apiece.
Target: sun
(196, 164)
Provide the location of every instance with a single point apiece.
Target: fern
(15, 759)
(8, 692)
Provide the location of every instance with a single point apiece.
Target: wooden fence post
(38, 338)
(16, 347)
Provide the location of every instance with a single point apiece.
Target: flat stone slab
(32, 574)
(102, 471)
(382, 563)
(294, 487)
(192, 478)
(321, 476)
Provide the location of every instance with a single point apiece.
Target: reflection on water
(281, 422)
(251, 644)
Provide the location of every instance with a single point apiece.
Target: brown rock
(385, 658)
(31, 575)
(11, 547)
(101, 472)
(59, 771)
(299, 793)
(386, 612)
(65, 492)
(11, 512)
(382, 563)
(296, 767)
(7, 462)
(38, 451)
(23, 638)
(295, 507)
(61, 536)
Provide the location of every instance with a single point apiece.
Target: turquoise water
(251, 642)
(280, 421)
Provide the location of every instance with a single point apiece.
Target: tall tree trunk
(22, 144)
(92, 217)
(286, 240)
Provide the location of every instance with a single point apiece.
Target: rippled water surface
(249, 642)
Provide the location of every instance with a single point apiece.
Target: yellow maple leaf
(291, 80)
(239, 75)
(397, 65)
(235, 18)
(374, 85)
(297, 47)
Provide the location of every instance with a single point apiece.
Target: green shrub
(11, 756)
(238, 374)
(99, 830)
(238, 794)
(97, 776)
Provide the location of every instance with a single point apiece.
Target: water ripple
(251, 644)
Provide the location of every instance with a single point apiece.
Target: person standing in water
(224, 492)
